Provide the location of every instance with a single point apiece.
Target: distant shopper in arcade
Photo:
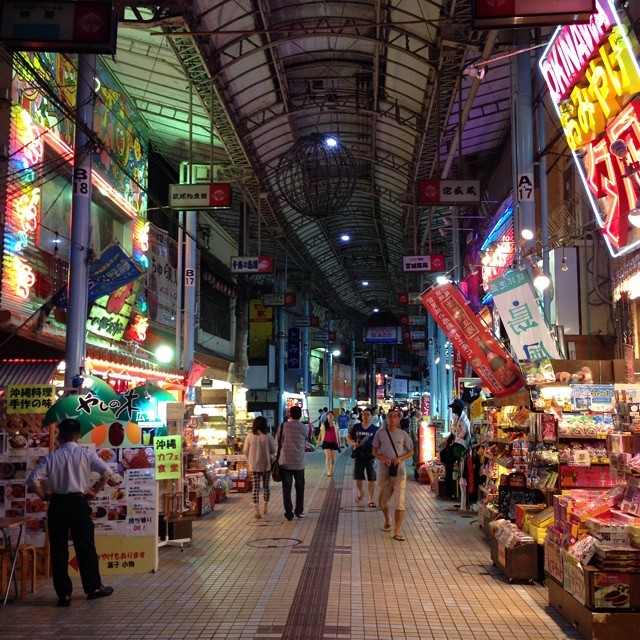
(260, 449)
(461, 429)
(343, 426)
(392, 446)
(361, 439)
(294, 436)
(329, 440)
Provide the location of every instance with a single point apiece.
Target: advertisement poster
(30, 398)
(522, 317)
(475, 342)
(162, 281)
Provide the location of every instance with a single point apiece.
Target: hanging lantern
(317, 176)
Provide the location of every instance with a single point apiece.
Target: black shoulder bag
(393, 469)
(276, 476)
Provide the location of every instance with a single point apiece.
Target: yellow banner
(168, 450)
(30, 398)
(119, 555)
(260, 328)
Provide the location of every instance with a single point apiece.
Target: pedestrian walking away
(292, 458)
(62, 478)
(260, 449)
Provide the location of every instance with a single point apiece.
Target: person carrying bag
(276, 476)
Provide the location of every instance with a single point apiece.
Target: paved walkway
(333, 574)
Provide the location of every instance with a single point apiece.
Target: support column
(442, 375)
(354, 373)
(328, 351)
(433, 368)
(282, 352)
(524, 201)
(306, 354)
(80, 253)
(189, 283)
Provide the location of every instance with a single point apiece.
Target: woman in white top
(260, 449)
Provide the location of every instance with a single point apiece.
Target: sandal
(372, 504)
(387, 527)
(358, 499)
(399, 537)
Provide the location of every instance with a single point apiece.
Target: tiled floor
(333, 574)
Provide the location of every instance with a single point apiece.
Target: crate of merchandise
(240, 485)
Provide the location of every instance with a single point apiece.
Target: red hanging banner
(473, 339)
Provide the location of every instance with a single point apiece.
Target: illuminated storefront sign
(593, 74)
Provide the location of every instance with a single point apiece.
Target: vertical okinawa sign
(474, 340)
(592, 74)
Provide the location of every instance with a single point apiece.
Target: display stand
(173, 513)
(517, 563)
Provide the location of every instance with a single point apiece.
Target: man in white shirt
(62, 477)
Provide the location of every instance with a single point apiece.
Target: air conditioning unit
(203, 174)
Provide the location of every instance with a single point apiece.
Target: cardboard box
(523, 509)
(554, 560)
(592, 625)
(605, 590)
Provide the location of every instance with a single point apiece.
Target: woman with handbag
(260, 449)
(330, 441)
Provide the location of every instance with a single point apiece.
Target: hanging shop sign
(519, 13)
(592, 73)
(293, 348)
(449, 192)
(287, 299)
(306, 321)
(251, 264)
(168, 454)
(474, 340)
(391, 335)
(434, 262)
(162, 280)
(199, 196)
(500, 253)
(71, 27)
(522, 317)
(30, 398)
(325, 336)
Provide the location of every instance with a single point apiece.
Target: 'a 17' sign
(593, 75)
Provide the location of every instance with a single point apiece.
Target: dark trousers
(288, 477)
(72, 513)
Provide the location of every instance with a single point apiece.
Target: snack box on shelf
(526, 509)
(608, 530)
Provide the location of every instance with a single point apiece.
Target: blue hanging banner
(293, 349)
(112, 270)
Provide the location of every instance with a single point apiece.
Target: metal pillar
(328, 352)
(306, 354)
(282, 352)
(524, 195)
(80, 253)
(354, 373)
(544, 192)
(189, 283)
(433, 369)
(442, 375)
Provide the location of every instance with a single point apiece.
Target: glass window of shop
(215, 313)
(108, 225)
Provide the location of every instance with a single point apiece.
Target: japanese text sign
(474, 340)
(520, 312)
(449, 191)
(199, 196)
(434, 262)
(168, 450)
(593, 75)
(30, 398)
(251, 264)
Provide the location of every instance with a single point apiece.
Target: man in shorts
(361, 439)
(392, 446)
(343, 427)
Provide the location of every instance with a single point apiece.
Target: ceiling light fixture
(541, 280)
(345, 237)
(365, 283)
(527, 234)
(375, 309)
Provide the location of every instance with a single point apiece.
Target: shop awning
(27, 371)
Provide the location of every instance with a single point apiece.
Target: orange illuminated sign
(592, 74)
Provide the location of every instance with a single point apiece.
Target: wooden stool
(27, 561)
